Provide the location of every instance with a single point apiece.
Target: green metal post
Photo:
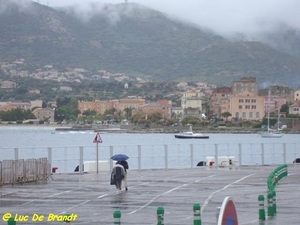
(197, 214)
(66, 220)
(270, 204)
(261, 211)
(117, 217)
(11, 221)
(160, 215)
(274, 202)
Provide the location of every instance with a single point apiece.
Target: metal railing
(170, 156)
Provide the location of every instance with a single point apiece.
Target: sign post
(97, 140)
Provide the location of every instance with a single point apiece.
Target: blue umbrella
(119, 157)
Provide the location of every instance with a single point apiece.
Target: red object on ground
(54, 169)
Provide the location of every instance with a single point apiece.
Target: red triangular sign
(97, 138)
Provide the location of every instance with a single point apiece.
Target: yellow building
(247, 106)
(164, 107)
(130, 103)
(101, 106)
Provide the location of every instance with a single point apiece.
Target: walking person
(124, 163)
(117, 174)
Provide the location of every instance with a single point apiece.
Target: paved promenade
(91, 200)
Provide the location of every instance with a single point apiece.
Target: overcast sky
(224, 16)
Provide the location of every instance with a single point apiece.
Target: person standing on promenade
(118, 174)
(124, 163)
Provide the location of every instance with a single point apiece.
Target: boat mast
(269, 109)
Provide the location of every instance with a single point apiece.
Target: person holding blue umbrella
(117, 175)
(124, 163)
(120, 168)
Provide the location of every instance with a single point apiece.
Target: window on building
(257, 115)
(250, 114)
(241, 100)
(237, 115)
(240, 107)
(247, 107)
(253, 107)
(247, 100)
(244, 115)
(253, 100)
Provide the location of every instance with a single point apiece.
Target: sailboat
(272, 133)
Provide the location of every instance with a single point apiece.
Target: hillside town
(242, 101)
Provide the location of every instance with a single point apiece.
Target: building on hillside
(219, 101)
(245, 84)
(247, 106)
(15, 105)
(34, 91)
(176, 113)
(154, 107)
(8, 85)
(44, 114)
(297, 95)
(192, 103)
(3, 103)
(101, 106)
(167, 104)
(130, 103)
(282, 91)
(36, 104)
(295, 108)
(52, 104)
(273, 103)
(65, 88)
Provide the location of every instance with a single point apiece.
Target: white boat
(190, 134)
(272, 133)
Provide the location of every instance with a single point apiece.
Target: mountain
(137, 41)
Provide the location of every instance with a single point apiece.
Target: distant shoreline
(137, 129)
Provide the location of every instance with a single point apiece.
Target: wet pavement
(92, 200)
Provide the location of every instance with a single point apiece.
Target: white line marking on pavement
(217, 191)
(167, 192)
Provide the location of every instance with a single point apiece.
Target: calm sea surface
(34, 141)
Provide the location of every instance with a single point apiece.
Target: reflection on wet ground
(92, 198)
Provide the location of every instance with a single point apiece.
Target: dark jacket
(124, 164)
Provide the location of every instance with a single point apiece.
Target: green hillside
(138, 42)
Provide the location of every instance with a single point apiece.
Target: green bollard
(11, 221)
(261, 211)
(160, 215)
(67, 220)
(197, 214)
(117, 217)
(274, 202)
(270, 204)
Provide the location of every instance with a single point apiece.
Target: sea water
(152, 150)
